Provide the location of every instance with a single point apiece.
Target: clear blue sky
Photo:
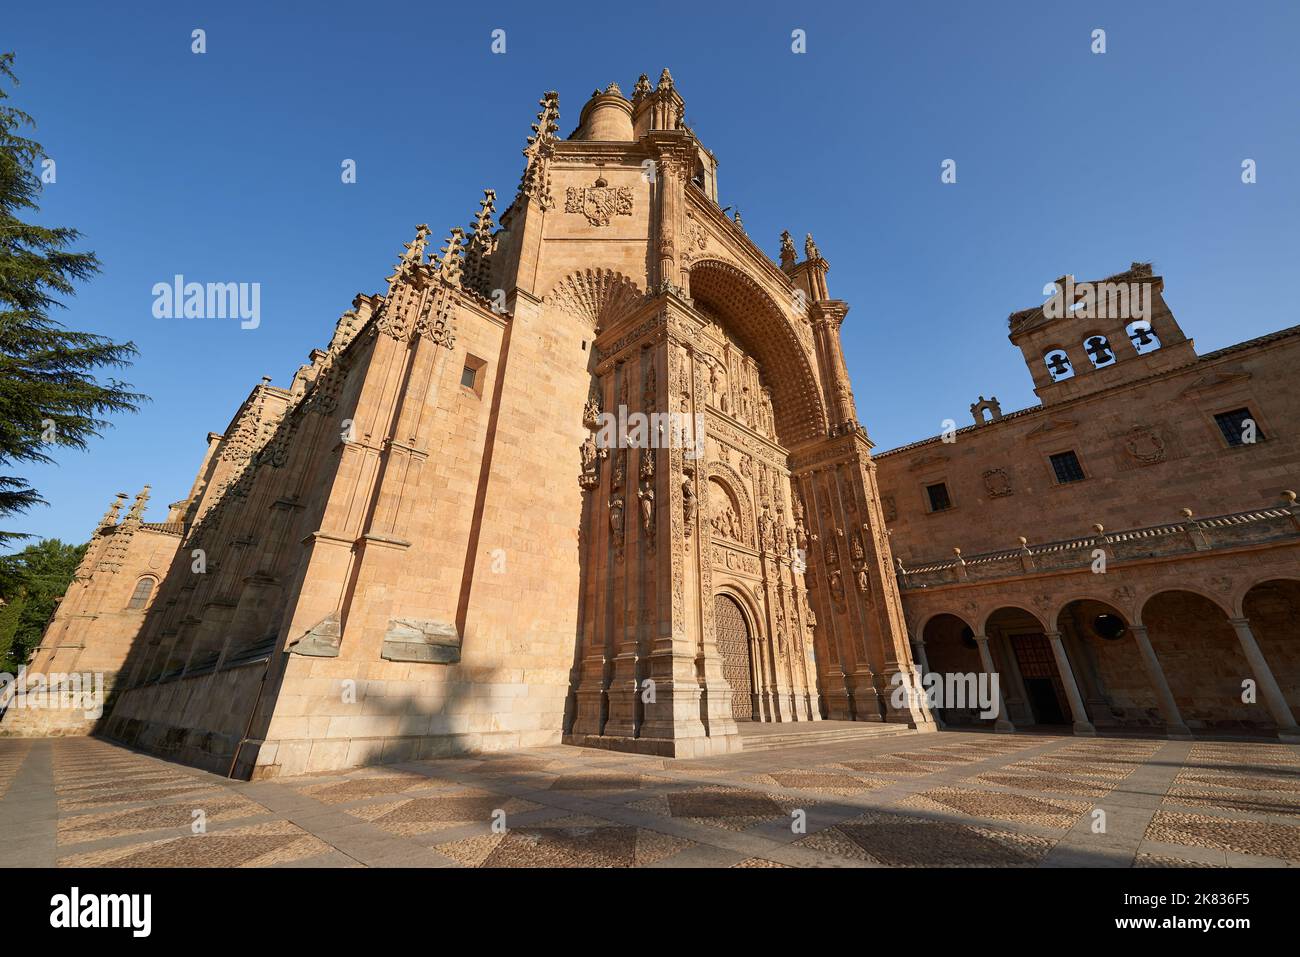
(225, 167)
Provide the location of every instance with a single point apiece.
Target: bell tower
(1092, 335)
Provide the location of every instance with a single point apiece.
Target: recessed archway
(1021, 633)
(1272, 608)
(1108, 665)
(950, 649)
(1203, 663)
(768, 334)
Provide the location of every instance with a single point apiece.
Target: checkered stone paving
(258, 846)
(731, 808)
(1000, 806)
(567, 842)
(896, 840)
(1258, 838)
(374, 785)
(181, 814)
(820, 781)
(421, 815)
(949, 799)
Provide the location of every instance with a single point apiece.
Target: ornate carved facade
(432, 514)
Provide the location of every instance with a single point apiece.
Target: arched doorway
(733, 647)
(1022, 634)
(950, 649)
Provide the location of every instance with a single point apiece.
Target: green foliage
(48, 394)
(31, 582)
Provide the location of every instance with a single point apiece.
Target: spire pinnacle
(450, 264)
(536, 181)
(481, 245)
(788, 255)
(136, 514)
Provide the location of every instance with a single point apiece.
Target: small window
(472, 374)
(938, 496)
(140, 597)
(1099, 351)
(1239, 427)
(1110, 627)
(1143, 338)
(1058, 364)
(1067, 468)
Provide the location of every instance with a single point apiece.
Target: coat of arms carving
(1144, 445)
(599, 202)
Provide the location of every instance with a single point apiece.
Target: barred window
(1239, 427)
(1067, 468)
(140, 597)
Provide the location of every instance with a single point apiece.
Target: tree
(31, 583)
(49, 395)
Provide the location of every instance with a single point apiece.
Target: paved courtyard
(953, 799)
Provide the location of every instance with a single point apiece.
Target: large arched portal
(734, 646)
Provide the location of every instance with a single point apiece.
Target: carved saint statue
(647, 498)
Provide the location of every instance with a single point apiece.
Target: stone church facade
(423, 545)
(420, 548)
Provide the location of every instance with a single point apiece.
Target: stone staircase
(758, 736)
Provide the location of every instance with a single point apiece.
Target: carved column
(1174, 726)
(1081, 723)
(1277, 706)
(1002, 722)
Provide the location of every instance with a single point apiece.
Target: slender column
(1002, 722)
(920, 669)
(1174, 726)
(1081, 723)
(1286, 726)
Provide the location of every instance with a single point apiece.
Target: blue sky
(225, 167)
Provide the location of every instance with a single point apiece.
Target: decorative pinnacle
(137, 507)
(665, 80)
(788, 255)
(810, 250)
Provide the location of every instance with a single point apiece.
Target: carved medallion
(997, 483)
(599, 202)
(1144, 445)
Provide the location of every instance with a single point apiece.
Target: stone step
(799, 739)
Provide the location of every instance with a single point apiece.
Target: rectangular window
(1239, 427)
(938, 494)
(468, 376)
(1067, 468)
